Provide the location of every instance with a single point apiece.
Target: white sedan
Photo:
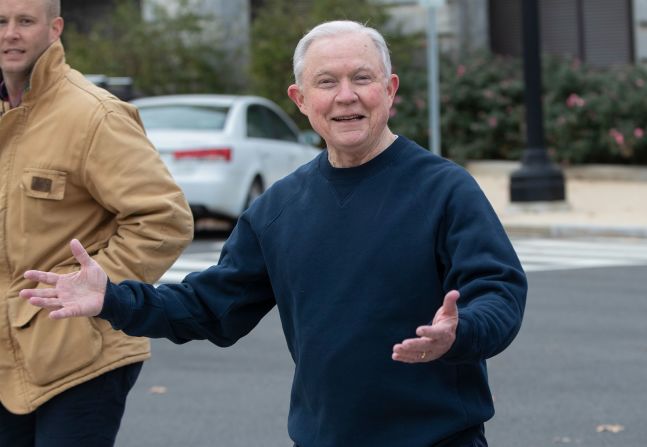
(222, 150)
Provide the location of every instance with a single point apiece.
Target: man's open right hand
(77, 294)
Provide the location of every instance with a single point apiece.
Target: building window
(597, 32)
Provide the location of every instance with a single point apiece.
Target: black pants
(87, 415)
(472, 437)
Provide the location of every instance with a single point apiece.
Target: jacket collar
(48, 69)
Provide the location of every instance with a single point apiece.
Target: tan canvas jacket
(75, 163)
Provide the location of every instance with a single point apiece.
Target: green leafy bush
(168, 54)
(590, 115)
(595, 116)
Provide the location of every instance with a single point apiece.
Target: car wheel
(254, 191)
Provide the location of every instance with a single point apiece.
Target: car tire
(255, 190)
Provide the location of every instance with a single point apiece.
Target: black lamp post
(537, 179)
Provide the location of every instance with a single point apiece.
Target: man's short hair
(334, 28)
(53, 8)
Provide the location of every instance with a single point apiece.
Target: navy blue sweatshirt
(356, 259)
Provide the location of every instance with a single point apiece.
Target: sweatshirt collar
(367, 169)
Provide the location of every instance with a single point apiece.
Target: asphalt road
(578, 365)
(574, 376)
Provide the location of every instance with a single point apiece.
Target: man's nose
(10, 31)
(346, 92)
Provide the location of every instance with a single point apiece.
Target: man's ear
(294, 92)
(392, 85)
(56, 29)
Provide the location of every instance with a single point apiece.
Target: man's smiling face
(25, 33)
(345, 93)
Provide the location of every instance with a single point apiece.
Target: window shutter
(607, 32)
(595, 31)
(559, 27)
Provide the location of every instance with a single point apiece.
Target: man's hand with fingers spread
(77, 294)
(433, 340)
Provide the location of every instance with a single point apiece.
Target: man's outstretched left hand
(433, 340)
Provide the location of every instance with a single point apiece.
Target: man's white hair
(335, 28)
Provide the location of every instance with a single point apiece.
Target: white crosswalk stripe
(564, 254)
(192, 262)
(536, 254)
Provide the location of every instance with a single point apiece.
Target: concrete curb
(575, 230)
(584, 172)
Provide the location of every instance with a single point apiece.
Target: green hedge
(166, 55)
(590, 115)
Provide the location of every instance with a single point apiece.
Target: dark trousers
(87, 415)
(472, 437)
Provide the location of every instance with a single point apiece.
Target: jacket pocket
(44, 183)
(52, 349)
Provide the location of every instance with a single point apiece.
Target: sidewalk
(601, 201)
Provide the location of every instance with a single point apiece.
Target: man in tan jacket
(74, 162)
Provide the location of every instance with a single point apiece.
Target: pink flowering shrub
(481, 108)
(594, 115)
(590, 115)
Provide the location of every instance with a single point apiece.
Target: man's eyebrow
(322, 73)
(326, 72)
(19, 16)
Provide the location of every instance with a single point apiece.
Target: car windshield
(184, 116)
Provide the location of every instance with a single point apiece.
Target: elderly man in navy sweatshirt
(365, 251)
